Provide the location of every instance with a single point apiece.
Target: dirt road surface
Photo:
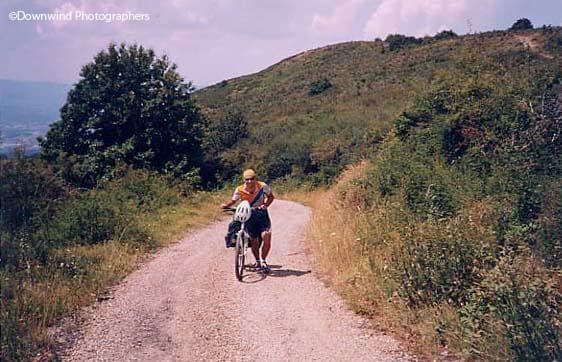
(185, 304)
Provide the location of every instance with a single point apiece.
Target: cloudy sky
(212, 40)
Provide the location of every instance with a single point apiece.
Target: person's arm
(232, 201)
(227, 204)
(268, 197)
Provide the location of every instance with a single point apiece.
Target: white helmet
(243, 212)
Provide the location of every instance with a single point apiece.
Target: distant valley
(26, 111)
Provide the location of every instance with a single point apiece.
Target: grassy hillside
(292, 131)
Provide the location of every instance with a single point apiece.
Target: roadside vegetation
(451, 231)
(62, 248)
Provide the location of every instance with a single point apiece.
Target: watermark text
(78, 15)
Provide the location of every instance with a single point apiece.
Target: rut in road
(186, 304)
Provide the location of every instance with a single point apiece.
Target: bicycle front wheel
(240, 257)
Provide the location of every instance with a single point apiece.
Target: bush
(522, 24)
(48, 268)
(427, 194)
(445, 34)
(319, 86)
(440, 261)
(470, 193)
(399, 41)
(554, 40)
(519, 299)
(112, 212)
(144, 191)
(29, 194)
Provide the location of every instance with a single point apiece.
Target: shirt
(241, 194)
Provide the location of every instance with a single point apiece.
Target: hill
(26, 111)
(321, 109)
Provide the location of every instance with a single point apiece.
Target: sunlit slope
(370, 86)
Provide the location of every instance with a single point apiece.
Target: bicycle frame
(242, 239)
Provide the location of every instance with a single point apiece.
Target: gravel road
(185, 304)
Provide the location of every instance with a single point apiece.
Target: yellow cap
(249, 173)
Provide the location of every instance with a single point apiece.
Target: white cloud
(340, 20)
(422, 17)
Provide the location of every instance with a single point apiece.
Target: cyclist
(260, 196)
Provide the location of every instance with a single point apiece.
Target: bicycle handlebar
(233, 209)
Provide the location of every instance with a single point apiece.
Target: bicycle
(242, 214)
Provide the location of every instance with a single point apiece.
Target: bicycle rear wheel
(240, 257)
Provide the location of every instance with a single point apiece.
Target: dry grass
(340, 240)
(170, 223)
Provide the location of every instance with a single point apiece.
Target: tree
(522, 24)
(128, 107)
(399, 41)
(445, 34)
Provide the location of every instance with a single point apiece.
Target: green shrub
(549, 225)
(427, 194)
(427, 188)
(399, 41)
(86, 219)
(145, 191)
(470, 187)
(41, 266)
(554, 40)
(319, 86)
(445, 34)
(112, 212)
(440, 261)
(521, 300)
(522, 24)
(29, 194)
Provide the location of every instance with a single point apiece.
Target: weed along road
(186, 304)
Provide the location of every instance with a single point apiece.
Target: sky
(212, 40)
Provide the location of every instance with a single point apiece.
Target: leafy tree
(522, 24)
(129, 107)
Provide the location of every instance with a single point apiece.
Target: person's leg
(255, 244)
(266, 237)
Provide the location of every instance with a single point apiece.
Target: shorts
(258, 223)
